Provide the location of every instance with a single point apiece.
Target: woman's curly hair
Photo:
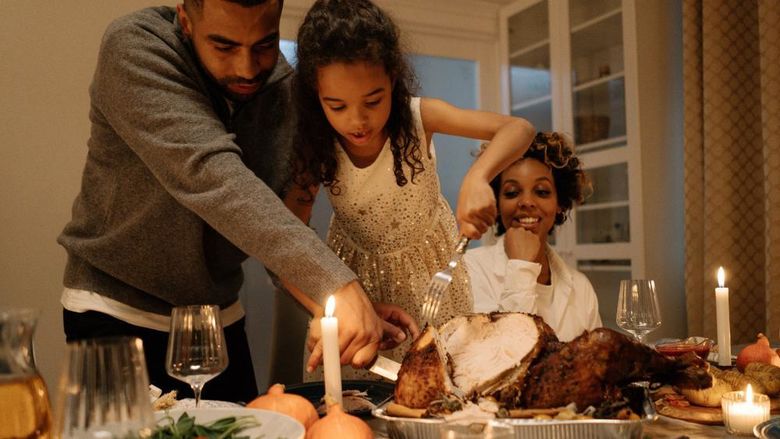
(349, 31)
(572, 185)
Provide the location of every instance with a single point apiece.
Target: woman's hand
(396, 324)
(522, 244)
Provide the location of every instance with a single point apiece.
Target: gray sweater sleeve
(148, 94)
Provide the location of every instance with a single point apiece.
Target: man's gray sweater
(176, 191)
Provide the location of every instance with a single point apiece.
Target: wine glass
(104, 390)
(637, 309)
(196, 346)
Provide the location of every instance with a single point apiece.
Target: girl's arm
(300, 201)
(509, 139)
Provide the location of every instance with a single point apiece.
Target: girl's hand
(476, 210)
(522, 244)
(396, 324)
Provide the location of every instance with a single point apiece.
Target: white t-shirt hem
(79, 301)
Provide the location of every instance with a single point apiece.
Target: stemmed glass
(104, 390)
(196, 346)
(637, 309)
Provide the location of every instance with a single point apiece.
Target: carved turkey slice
(473, 355)
(425, 372)
(491, 352)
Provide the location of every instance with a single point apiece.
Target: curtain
(731, 81)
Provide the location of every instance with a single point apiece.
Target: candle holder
(740, 415)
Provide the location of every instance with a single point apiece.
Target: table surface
(663, 427)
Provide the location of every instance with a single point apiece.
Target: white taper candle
(331, 363)
(724, 325)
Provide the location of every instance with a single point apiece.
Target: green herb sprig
(186, 428)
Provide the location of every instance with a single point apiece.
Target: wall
(659, 56)
(48, 52)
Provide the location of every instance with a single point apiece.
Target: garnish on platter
(355, 402)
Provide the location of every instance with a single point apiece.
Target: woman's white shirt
(569, 305)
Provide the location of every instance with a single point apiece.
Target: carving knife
(385, 367)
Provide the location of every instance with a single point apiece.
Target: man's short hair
(198, 4)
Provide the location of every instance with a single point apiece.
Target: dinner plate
(273, 425)
(189, 403)
(377, 391)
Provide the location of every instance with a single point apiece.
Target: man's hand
(476, 210)
(396, 323)
(360, 329)
(522, 244)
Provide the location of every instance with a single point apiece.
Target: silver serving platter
(411, 428)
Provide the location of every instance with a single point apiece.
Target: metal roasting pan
(409, 428)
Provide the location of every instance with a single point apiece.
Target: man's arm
(155, 102)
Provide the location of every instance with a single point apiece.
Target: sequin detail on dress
(395, 237)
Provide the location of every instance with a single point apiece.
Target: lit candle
(331, 363)
(743, 410)
(724, 327)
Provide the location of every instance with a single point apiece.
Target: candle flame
(749, 393)
(330, 306)
(721, 277)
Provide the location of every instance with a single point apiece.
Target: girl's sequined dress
(395, 237)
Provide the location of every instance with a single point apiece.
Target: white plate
(274, 425)
(189, 403)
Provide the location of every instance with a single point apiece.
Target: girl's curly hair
(349, 31)
(572, 185)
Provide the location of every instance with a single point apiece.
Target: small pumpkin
(339, 425)
(758, 352)
(289, 404)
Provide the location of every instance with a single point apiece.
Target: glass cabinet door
(529, 65)
(599, 113)
(604, 216)
(598, 98)
(597, 74)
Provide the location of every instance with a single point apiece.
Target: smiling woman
(521, 272)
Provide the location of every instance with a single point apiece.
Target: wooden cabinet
(570, 66)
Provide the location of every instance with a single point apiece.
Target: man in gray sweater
(188, 155)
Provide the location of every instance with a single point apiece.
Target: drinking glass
(637, 309)
(196, 346)
(104, 391)
(475, 428)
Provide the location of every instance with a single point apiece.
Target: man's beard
(258, 80)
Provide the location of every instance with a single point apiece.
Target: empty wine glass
(637, 309)
(104, 391)
(196, 346)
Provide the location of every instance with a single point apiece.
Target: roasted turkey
(516, 359)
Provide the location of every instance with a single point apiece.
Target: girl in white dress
(367, 140)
